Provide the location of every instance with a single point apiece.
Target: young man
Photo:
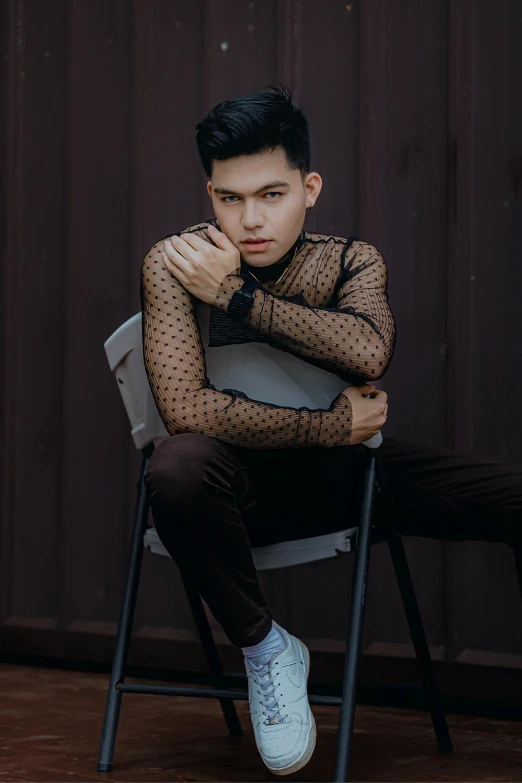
(238, 472)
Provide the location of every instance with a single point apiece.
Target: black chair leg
(353, 644)
(411, 608)
(212, 656)
(112, 709)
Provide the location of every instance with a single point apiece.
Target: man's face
(261, 197)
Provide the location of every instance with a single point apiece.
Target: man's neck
(275, 270)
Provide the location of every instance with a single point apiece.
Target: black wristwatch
(242, 300)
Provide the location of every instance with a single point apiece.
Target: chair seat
(286, 553)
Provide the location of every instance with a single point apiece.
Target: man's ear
(209, 188)
(313, 186)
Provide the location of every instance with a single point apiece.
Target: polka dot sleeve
(187, 402)
(353, 339)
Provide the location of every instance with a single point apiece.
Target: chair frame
(125, 356)
(346, 702)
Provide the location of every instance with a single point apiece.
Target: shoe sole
(303, 761)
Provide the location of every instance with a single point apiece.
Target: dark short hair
(255, 123)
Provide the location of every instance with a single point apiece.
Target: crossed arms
(354, 339)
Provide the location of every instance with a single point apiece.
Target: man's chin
(259, 259)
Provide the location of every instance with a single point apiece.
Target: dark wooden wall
(417, 130)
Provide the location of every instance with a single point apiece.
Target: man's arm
(353, 339)
(176, 370)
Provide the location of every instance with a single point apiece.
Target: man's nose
(252, 217)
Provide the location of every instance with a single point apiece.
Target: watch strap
(241, 300)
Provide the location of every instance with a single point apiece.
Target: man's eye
(272, 196)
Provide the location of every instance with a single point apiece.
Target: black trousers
(211, 502)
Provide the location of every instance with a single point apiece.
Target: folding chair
(125, 354)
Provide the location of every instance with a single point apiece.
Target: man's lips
(257, 245)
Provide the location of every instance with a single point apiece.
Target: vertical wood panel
(8, 137)
(239, 48)
(484, 289)
(96, 516)
(328, 33)
(497, 178)
(461, 241)
(166, 105)
(34, 316)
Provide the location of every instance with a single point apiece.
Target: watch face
(240, 303)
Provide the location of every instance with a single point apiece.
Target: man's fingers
(174, 262)
(197, 243)
(171, 253)
(367, 388)
(176, 249)
(381, 397)
(221, 240)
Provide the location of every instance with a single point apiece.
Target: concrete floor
(50, 723)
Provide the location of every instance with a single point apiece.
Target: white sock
(272, 643)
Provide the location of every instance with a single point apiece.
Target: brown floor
(49, 731)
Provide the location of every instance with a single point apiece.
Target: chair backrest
(266, 373)
(124, 350)
(257, 369)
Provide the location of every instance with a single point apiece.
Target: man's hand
(368, 415)
(199, 266)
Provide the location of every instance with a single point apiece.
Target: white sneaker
(284, 725)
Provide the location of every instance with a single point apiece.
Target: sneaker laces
(264, 678)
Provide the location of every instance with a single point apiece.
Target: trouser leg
(198, 489)
(212, 502)
(446, 495)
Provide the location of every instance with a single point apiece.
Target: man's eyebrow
(269, 186)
